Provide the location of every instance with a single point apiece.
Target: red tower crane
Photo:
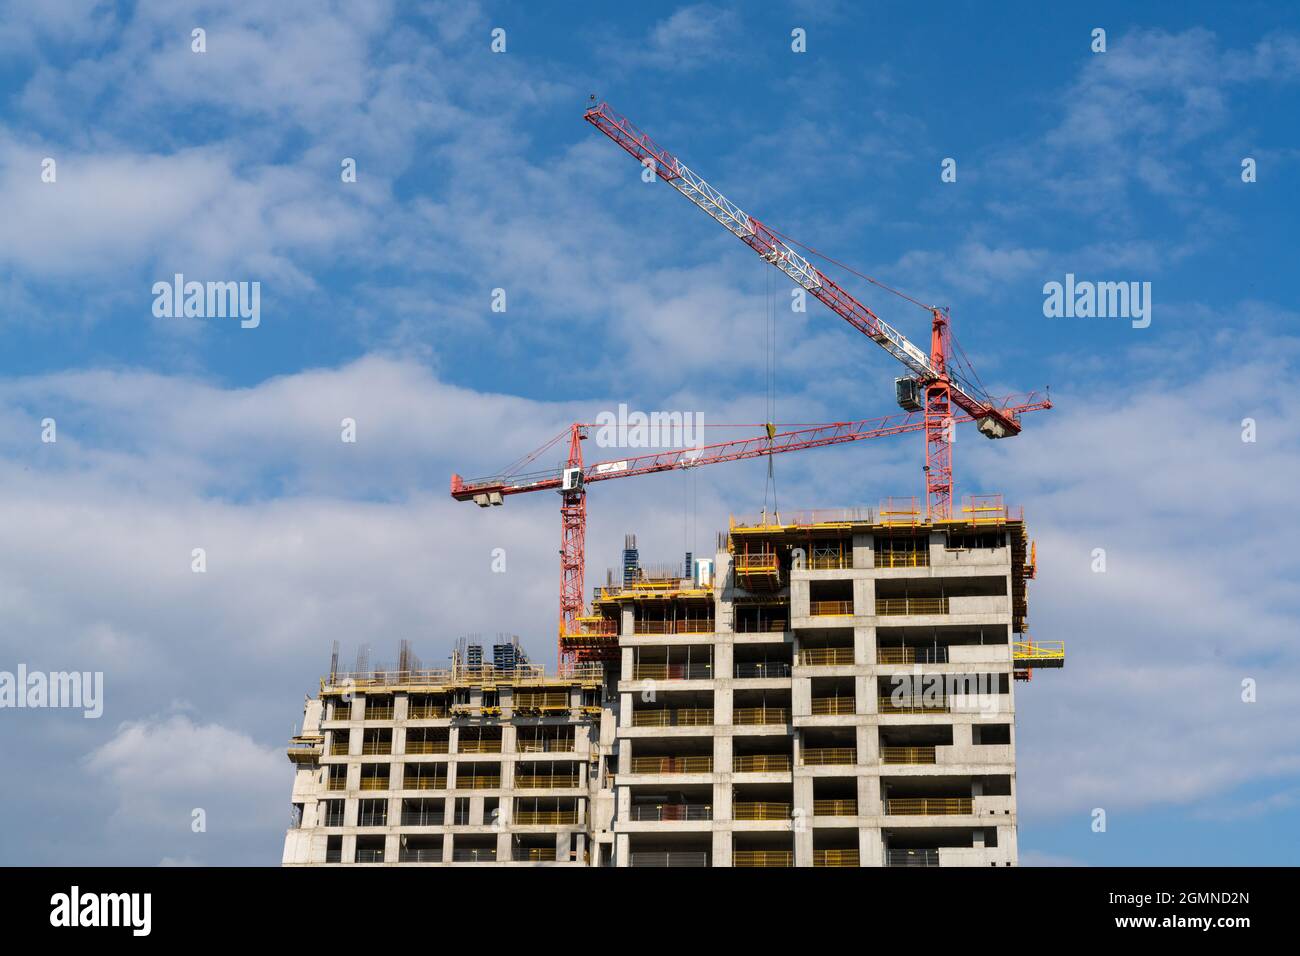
(572, 478)
(934, 382)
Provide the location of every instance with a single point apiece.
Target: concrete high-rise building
(837, 689)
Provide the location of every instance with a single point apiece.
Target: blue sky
(476, 172)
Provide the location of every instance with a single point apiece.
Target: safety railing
(911, 858)
(835, 858)
(762, 669)
(425, 712)
(748, 716)
(743, 626)
(339, 748)
(424, 781)
(701, 671)
(479, 855)
(374, 783)
(696, 764)
(830, 608)
(669, 858)
(478, 746)
(829, 756)
(904, 558)
(705, 626)
(756, 561)
(336, 783)
(478, 781)
(535, 701)
(761, 763)
(912, 655)
(370, 855)
(911, 605)
(671, 812)
(907, 755)
(427, 746)
(533, 854)
(548, 818)
(914, 705)
(423, 855)
(526, 746)
(835, 808)
(832, 706)
(380, 747)
(830, 562)
(765, 858)
(759, 810)
(534, 781)
(825, 656)
(428, 818)
(379, 713)
(929, 806)
(673, 717)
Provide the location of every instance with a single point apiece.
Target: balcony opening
(752, 707)
(532, 849)
(478, 776)
(674, 617)
(835, 847)
(676, 756)
(374, 776)
(826, 647)
(545, 740)
(420, 848)
(833, 697)
(762, 849)
(372, 813)
(479, 740)
(991, 735)
(336, 777)
(334, 849)
(370, 849)
(674, 709)
(762, 754)
(835, 797)
(546, 812)
(460, 812)
(763, 802)
(913, 744)
(379, 707)
(547, 775)
(902, 549)
(377, 740)
(474, 848)
(761, 617)
(331, 813)
(424, 776)
(830, 598)
(427, 740)
(688, 662)
(680, 805)
(828, 747)
(927, 796)
(426, 707)
(339, 709)
(669, 849)
(975, 540)
(761, 661)
(339, 742)
(828, 554)
(423, 812)
(531, 702)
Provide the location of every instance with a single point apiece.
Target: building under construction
(831, 689)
